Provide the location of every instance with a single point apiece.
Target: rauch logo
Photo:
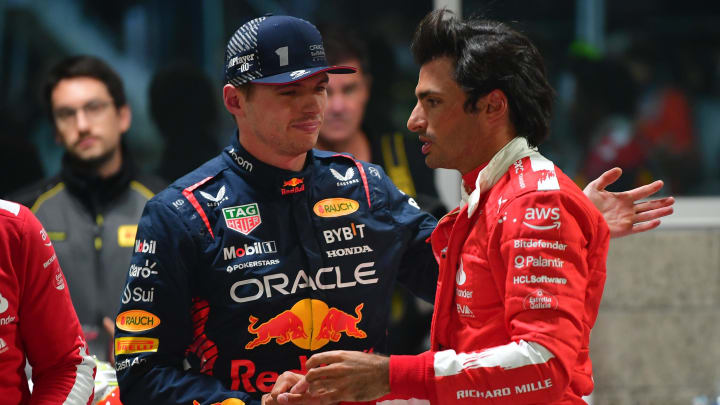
(242, 218)
(137, 321)
(335, 207)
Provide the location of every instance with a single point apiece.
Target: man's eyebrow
(421, 95)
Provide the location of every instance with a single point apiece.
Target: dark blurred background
(637, 81)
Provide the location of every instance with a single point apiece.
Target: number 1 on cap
(282, 53)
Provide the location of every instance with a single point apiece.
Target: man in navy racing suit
(253, 262)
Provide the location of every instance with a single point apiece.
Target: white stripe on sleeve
(509, 356)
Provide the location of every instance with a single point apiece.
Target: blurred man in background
(91, 208)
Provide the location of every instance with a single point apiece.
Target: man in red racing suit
(521, 261)
(37, 319)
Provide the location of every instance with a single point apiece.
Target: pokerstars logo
(232, 252)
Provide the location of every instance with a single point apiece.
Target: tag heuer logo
(243, 218)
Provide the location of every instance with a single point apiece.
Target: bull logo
(282, 328)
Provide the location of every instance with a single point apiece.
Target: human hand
(622, 213)
(281, 389)
(341, 376)
(109, 326)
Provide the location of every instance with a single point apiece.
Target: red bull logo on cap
(324, 323)
(242, 218)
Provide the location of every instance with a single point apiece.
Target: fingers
(652, 214)
(285, 383)
(290, 399)
(606, 179)
(654, 204)
(325, 372)
(319, 359)
(645, 191)
(645, 226)
(300, 387)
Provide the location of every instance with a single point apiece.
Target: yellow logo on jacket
(130, 345)
(126, 235)
(335, 207)
(136, 320)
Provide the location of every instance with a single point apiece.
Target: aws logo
(335, 207)
(309, 324)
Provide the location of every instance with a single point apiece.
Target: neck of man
(357, 144)
(486, 148)
(104, 166)
(266, 155)
(110, 167)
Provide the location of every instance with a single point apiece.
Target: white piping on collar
(514, 150)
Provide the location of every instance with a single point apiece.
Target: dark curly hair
(84, 66)
(489, 55)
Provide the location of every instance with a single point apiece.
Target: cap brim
(302, 74)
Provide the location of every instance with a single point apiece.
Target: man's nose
(336, 103)
(314, 104)
(416, 121)
(83, 124)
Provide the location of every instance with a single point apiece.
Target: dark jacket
(92, 223)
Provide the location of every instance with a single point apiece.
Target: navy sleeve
(418, 269)
(154, 326)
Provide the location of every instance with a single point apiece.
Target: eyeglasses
(93, 109)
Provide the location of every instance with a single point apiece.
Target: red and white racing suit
(522, 270)
(37, 319)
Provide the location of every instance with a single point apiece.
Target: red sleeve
(543, 262)
(62, 370)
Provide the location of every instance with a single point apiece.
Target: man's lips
(86, 142)
(425, 145)
(307, 126)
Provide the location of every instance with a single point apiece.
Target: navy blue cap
(276, 50)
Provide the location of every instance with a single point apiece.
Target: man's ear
(495, 105)
(125, 118)
(234, 100)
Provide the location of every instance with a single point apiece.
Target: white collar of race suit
(513, 151)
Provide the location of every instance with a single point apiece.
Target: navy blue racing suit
(242, 271)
